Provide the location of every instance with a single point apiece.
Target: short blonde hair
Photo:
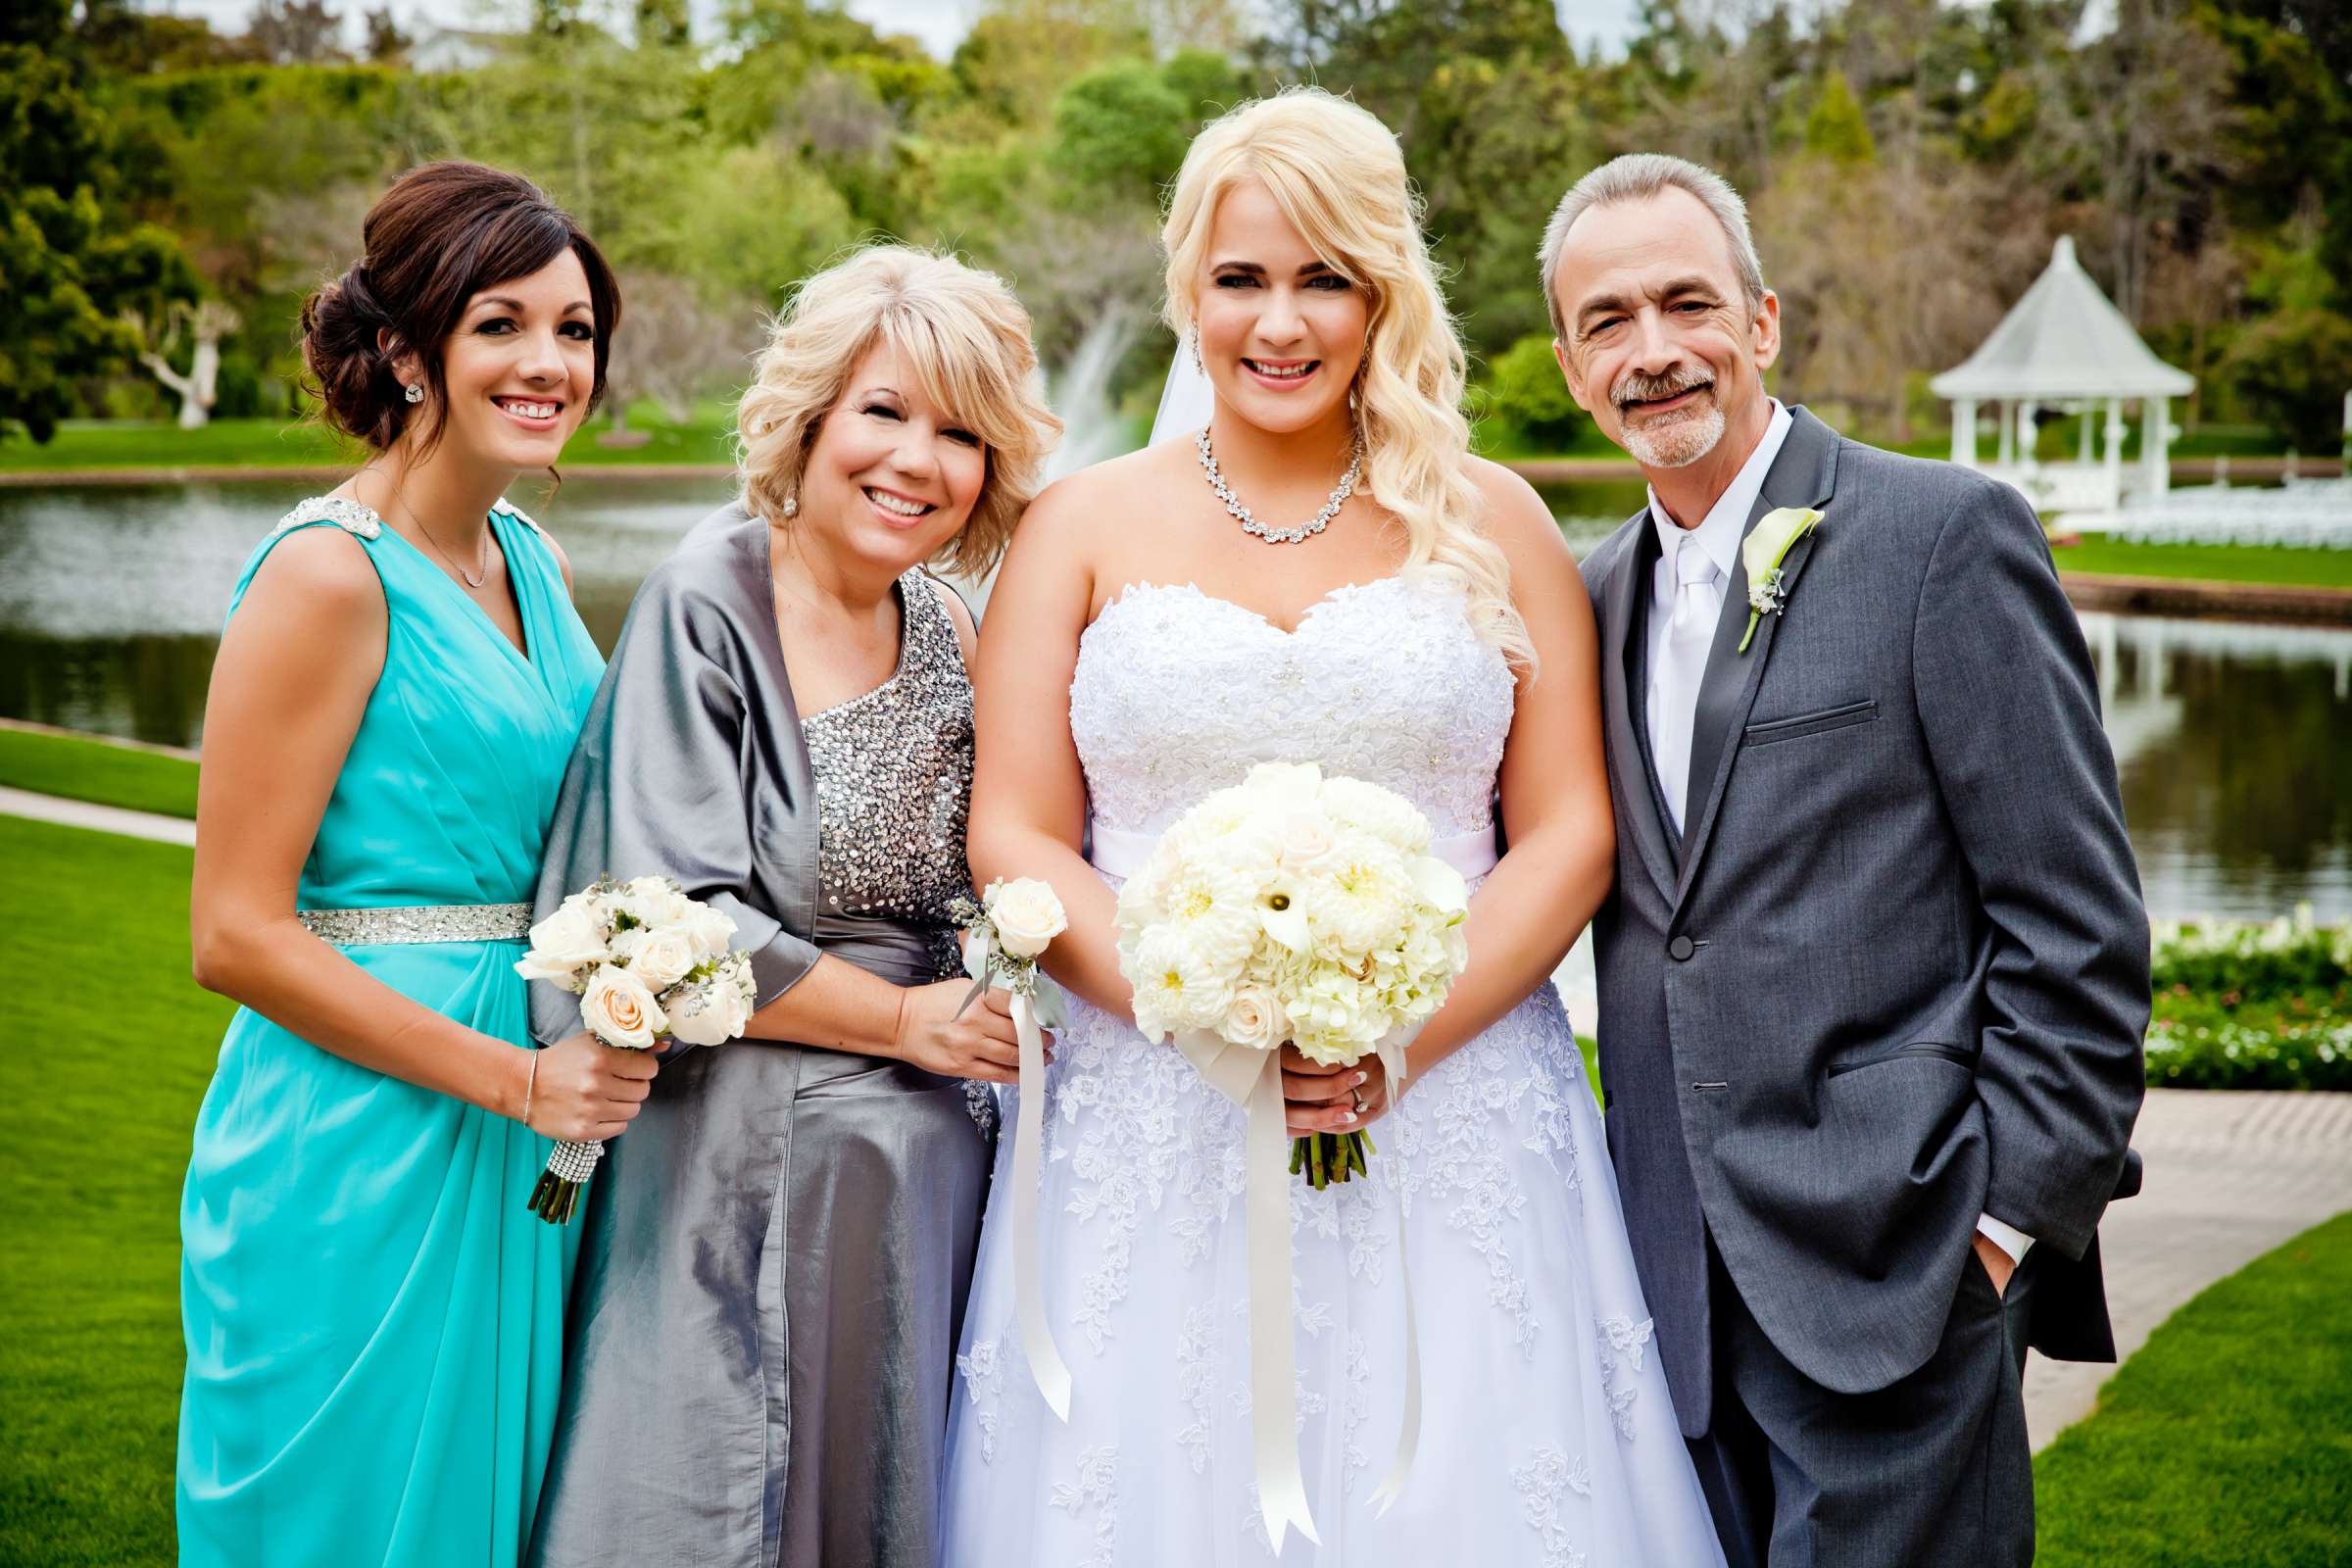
(963, 335)
(1339, 176)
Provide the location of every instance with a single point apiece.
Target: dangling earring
(1194, 335)
(415, 393)
(792, 506)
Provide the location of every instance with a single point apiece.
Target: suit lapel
(1803, 476)
(1620, 665)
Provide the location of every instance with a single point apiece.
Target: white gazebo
(2064, 346)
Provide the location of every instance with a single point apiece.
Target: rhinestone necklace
(1283, 536)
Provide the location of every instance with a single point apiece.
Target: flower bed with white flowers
(2241, 1005)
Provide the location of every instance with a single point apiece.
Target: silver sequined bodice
(893, 779)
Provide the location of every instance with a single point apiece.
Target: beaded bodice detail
(357, 518)
(352, 517)
(894, 778)
(1177, 692)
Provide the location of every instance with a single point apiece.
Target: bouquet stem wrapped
(1327, 1158)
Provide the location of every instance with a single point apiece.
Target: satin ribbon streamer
(1037, 1340)
(1253, 1080)
(1408, 1433)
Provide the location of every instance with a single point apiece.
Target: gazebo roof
(2063, 340)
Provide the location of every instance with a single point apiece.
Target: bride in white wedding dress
(1243, 594)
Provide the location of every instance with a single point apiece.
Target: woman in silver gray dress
(774, 1261)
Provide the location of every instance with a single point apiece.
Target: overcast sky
(940, 23)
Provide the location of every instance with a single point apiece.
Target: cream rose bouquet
(648, 963)
(1302, 909)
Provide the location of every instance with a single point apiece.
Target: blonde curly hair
(1337, 175)
(960, 333)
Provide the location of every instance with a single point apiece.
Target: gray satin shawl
(692, 756)
(775, 1255)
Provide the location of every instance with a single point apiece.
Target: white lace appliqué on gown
(1546, 1438)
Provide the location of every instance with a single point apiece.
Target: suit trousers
(1932, 1471)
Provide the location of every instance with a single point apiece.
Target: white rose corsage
(1003, 935)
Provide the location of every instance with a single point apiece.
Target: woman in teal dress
(373, 1321)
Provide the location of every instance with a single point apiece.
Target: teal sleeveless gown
(373, 1319)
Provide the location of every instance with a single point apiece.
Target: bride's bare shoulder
(1516, 516)
(1101, 496)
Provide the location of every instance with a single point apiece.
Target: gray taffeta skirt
(763, 1328)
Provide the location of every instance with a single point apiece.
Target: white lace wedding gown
(1546, 1438)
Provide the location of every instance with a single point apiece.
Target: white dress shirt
(1672, 699)
(1673, 705)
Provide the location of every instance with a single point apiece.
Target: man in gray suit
(1875, 974)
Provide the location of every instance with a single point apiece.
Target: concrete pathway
(101, 818)
(2230, 1174)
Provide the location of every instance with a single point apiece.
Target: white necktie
(1682, 665)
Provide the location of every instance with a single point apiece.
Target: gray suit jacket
(1894, 973)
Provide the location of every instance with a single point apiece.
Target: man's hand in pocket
(1998, 1263)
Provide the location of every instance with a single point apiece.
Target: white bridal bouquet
(1293, 907)
(1296, 908)
(648, 963)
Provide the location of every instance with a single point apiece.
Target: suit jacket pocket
(1958, 1056)
(1803, 725)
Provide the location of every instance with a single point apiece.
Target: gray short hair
(1637, 176)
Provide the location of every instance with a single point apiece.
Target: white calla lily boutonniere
(1766, 546)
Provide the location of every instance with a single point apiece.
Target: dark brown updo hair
(444, 232)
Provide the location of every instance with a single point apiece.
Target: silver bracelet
(529, 1083)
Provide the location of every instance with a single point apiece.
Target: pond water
(2235, 741)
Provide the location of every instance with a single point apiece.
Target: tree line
(167, 193)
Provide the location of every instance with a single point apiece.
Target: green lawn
(2225, 1443)
(2250, 564)
(92, 771)
(264, 443)
(159, 444)
(99, 1112)
(706, 437)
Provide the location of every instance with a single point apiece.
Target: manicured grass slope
(2252, 564)
(92, 771)
(275, 443)
(157, 444)
(2226, 1442)
(100, 1102)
